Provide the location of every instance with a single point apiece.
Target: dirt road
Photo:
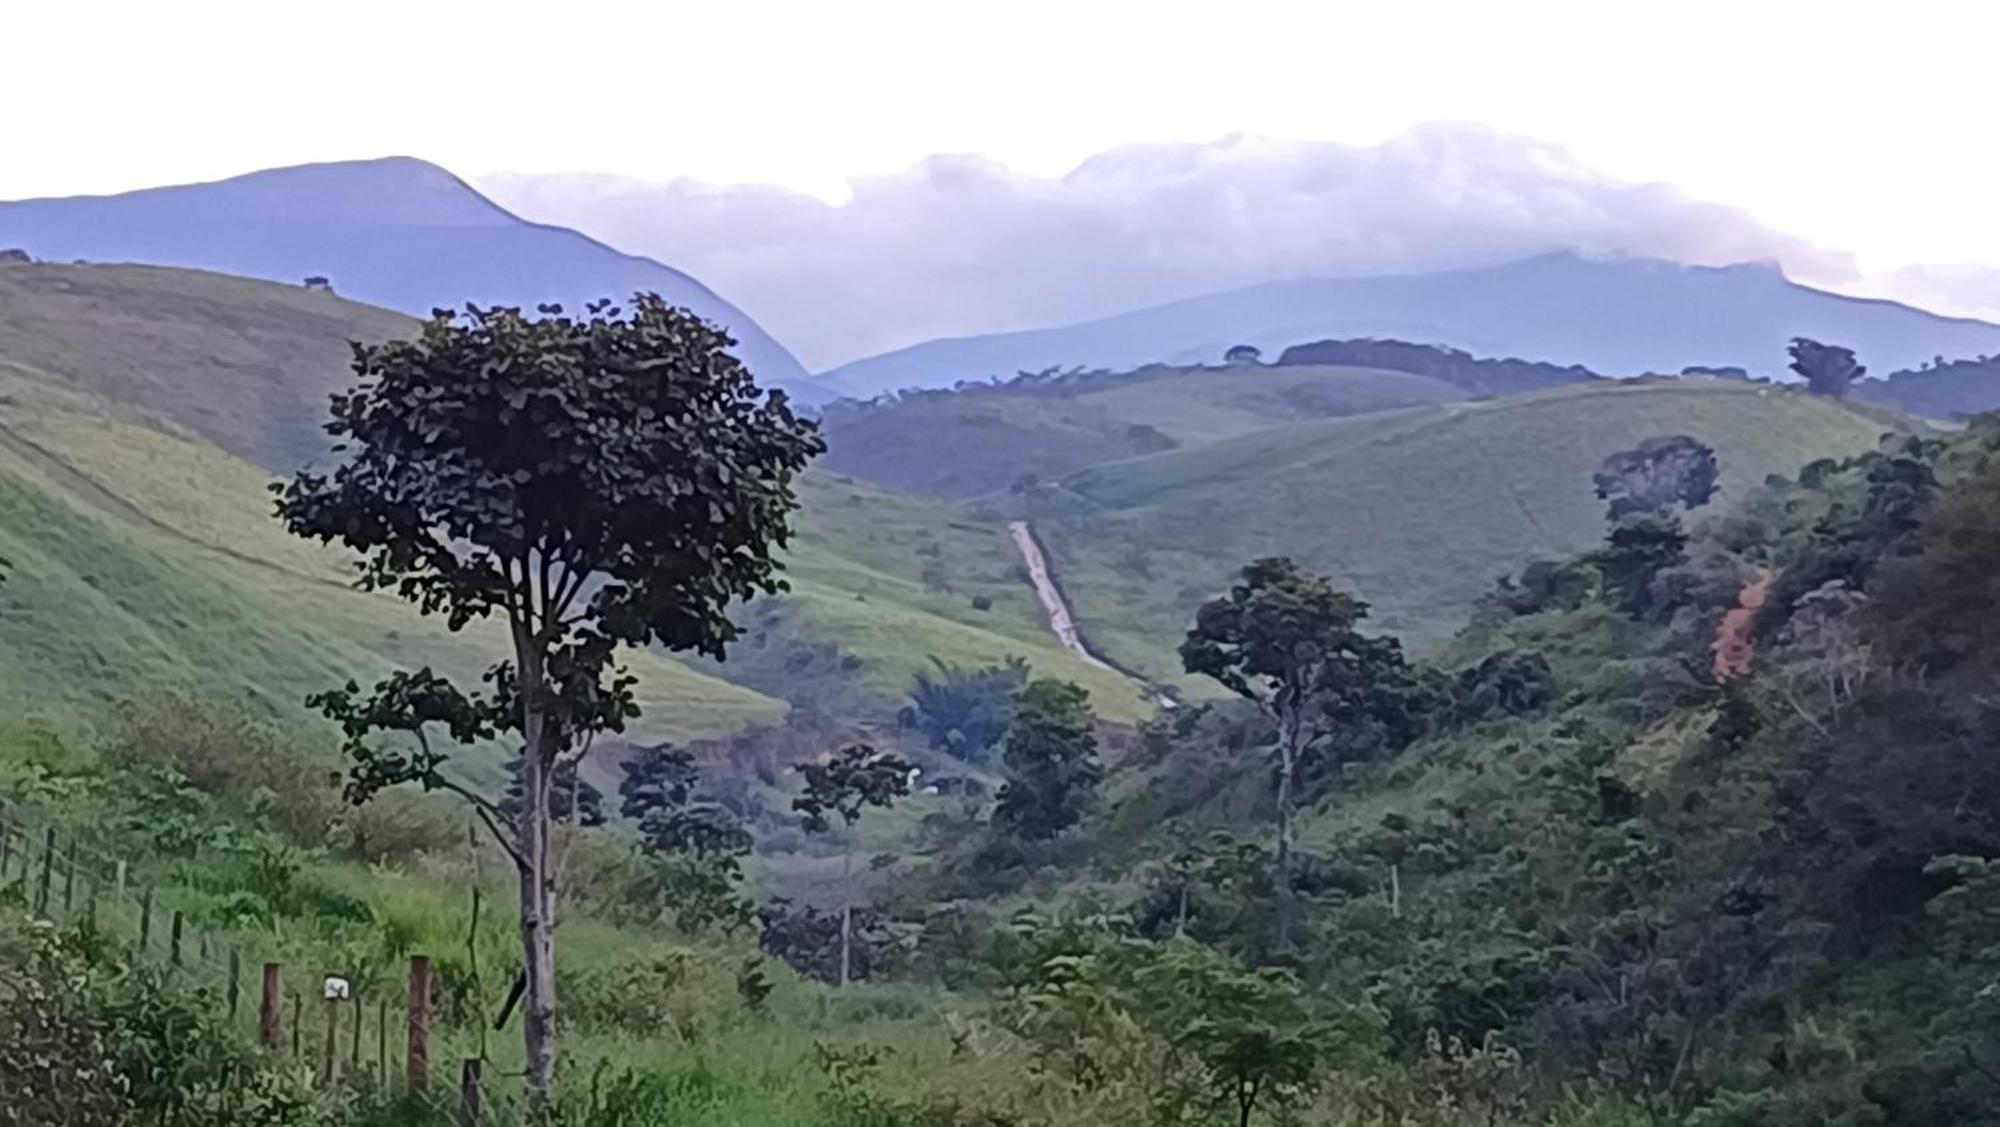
(1060, 621)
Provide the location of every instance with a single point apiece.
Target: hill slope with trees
(1417, 511)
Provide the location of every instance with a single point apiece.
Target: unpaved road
(1060, 621)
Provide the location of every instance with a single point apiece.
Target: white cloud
(961, 245)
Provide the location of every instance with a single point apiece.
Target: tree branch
(582, 751)
(545, 614)
(568, 586)
(487, 813)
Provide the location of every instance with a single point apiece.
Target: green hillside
(985, 439)
(1419, 511)
(245, 365)
(146, 557)
(145, 562)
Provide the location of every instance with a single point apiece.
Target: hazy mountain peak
(397, 232)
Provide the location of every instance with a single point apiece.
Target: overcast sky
(1857, 128)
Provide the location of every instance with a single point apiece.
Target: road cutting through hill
(1061, 622)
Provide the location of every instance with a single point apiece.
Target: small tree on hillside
(1051, 756)
(964, 712)
(1637, 550)
(1284, 638)
(1828, 369)
(695, 843)
(598, 482)
(856, 778)
(656, 778)
(1657, 475)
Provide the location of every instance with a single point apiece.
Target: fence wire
(357, 1045)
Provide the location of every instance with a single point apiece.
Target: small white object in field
(337, 989)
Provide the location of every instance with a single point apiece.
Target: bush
(224, 752)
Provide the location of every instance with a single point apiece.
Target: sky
(1858, 129)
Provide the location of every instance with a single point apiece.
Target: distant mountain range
(399, 233)
(407, 235)
(1622, 316)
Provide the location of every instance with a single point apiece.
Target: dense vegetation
(1477, 375)
(1940, 388)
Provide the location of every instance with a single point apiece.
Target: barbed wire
(56, 877)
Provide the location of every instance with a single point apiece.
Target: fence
(351, 1039)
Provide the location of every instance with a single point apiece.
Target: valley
(1533, 729)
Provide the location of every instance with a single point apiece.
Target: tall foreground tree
(1286, 639)
(598, 482)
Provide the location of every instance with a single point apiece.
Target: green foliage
(572, 798)
(120, 1043)
(964, 712)
(1656, 476)
(55, 1066)
(1828, 369)
(856, 778)
(811, 941)
(1191, 1028)
(1505, 683)
(1635, 553)
(1051, 758)
(1545, 585)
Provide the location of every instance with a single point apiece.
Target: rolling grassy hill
(984, 439)
(241, 364)
(145, 556)
(1419, 511)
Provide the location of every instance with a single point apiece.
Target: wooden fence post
(417, 1056)
(145, 920)
(298, 1008)
(267, 1008)
(48, 870)
(235, 980)
(469, 1094)
(6, 842)
(174, 938)
(382, 1044)
(332, 1038)
(90, 907)
(354, 1050)
(118, 879)
(69, 879)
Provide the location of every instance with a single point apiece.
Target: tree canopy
(1051, 758)
(1828, 369)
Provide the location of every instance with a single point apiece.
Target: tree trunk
(1281, 864)
(538, 916)
(846, 911)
